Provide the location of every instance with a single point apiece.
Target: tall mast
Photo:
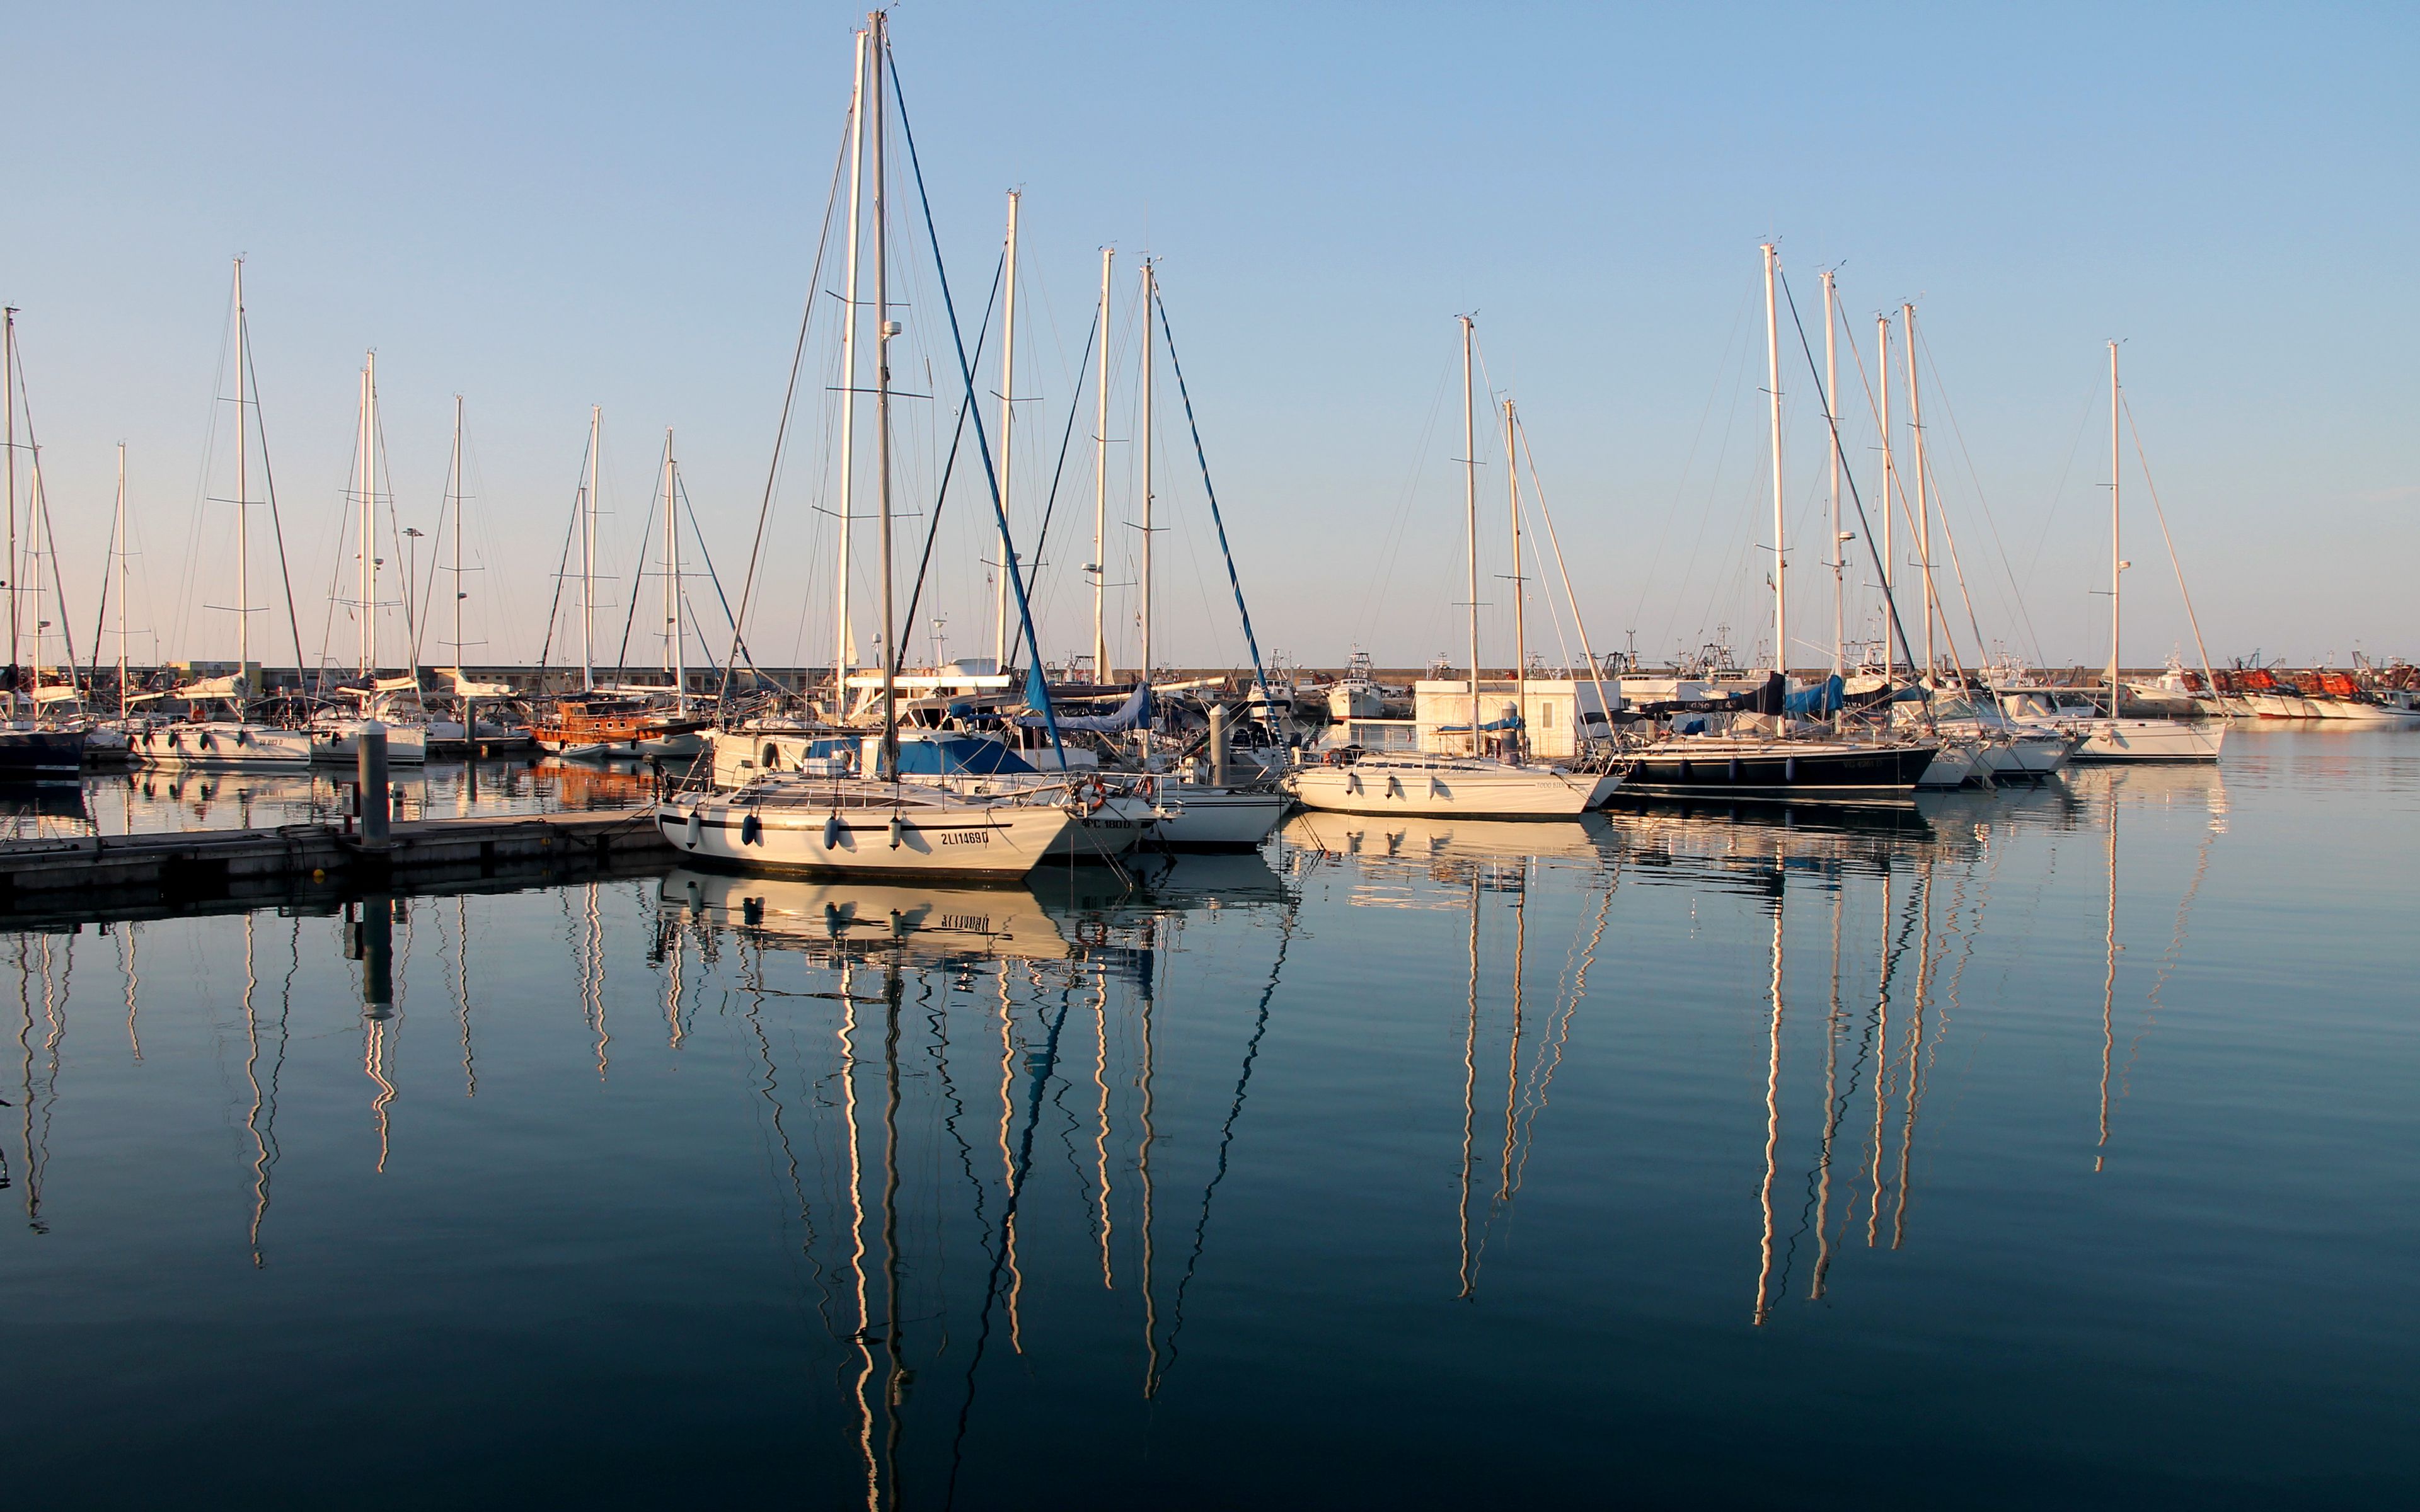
(1520, 619)
(242, 497)
(672, 577)
(1923, 497)
(1832, 423)
(2115, 566)
(1007, 431)
(1470, 515)
(848, 381)
(1101, 478)
(121, 582)
(369, 465)
(1150, 293)
(9, 400)
(457, 533)
(588, 557)
(1891, 614)
(1773, 388)
(884, 329)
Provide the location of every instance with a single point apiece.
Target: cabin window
(1547, 717)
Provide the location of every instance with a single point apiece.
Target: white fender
(696, 829)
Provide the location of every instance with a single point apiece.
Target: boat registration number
(966, 837)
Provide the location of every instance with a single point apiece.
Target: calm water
(2045, 1148)
(145, 799)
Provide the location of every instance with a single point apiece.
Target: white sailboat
(2107, 737)
(876, 825)
(1442, 785)
(393, 703)
(232, 741)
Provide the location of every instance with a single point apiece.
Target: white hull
(2027, 755)
(1446, 787)
(1197, 816)
(2344, 711)
(862, 829)
(1952, 766)
(1355, 700)
(1111, 823)
(224, 744)
(2109, 741)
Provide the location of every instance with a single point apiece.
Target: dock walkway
(174, 870)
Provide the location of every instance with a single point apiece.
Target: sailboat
(233, 741)
(876, 824)
(33, 746)
(601, 723)
(2108, 737)
(391, 702)
(1439, 785)
(459, 730)
(1781, 767)
(1215, 808)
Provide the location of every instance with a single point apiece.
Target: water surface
(2046, 1146)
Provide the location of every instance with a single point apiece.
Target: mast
(884, 329)
(1471, 512)
(1773, 387)
(1007, 430)
(121, 582)
(841, 647)
(1150, 276)
(1890, 620)
(2115, 566)
(588, 558)
(1832, 423)
(243, 502)
(1520, 621)
(369, 516)
(9, 400)
(457, 535)
(470, 710)
(1101, 478)
(1923, 497)
(672, 577)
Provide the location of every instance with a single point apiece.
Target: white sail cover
(464, 687)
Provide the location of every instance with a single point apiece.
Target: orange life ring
(1095, 798)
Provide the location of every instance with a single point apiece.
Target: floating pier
(192, 871)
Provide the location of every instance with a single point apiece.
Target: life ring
(1094, 797)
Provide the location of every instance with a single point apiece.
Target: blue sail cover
(946, 755)
(1817, 701)
(1510, 721)
(1129, 715)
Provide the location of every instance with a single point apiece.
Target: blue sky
(546, 208)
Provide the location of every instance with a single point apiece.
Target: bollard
(378, 805)
(1218, 761)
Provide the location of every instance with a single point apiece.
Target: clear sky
(549, 206)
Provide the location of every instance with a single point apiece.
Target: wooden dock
(211, 869)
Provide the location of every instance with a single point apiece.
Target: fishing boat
(1468, 783)
(1356, 694)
